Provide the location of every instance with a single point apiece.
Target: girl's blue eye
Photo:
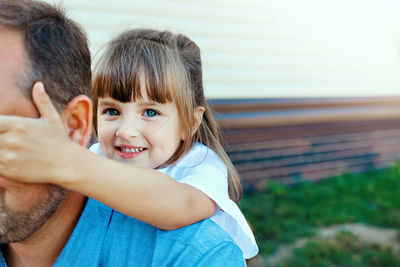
(111, 112)
(150, 113)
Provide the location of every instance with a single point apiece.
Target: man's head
(56, 50)
(38, 43)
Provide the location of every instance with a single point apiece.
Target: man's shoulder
(199, 237)
(202, 235)
(119, 240)
(202, 243)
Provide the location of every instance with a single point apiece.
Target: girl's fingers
(8, 122)
(44, 104)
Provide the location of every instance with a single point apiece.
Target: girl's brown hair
(167, 68)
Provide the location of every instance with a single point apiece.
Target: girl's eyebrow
(149, 103)
(141, 103)
(106, 103)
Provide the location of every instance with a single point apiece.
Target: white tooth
(132, 150)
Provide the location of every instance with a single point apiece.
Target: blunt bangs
(143, 71)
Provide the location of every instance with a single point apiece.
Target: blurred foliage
(281, 214)
(344, 250)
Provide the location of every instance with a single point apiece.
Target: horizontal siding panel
(276, 133)
(293, 117)
(296, 147)
(296, 90)
(297, 48)
(292, 76)
(287, 65)
(311, 149)
(309, 157)
(171, 9)
(268, 48)
(235, 105)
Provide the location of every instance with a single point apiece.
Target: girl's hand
(32, 149)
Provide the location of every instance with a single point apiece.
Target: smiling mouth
(126, 152)
(130, 150)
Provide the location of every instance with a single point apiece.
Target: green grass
(343, 250)
(281, 214)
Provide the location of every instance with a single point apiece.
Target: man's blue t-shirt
(105, 237)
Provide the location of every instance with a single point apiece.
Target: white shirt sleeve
(95, 148)
(203, 169)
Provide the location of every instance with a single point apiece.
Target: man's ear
(77, 118)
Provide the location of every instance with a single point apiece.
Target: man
(42, 224)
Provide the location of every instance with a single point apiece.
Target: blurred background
(307, 95)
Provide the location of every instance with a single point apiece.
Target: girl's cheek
(159, 125)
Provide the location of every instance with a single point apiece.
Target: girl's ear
(198, 116)
(77, 118)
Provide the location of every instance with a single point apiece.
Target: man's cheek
(21, 197)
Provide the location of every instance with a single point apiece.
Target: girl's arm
(142, 193)
(41, 151)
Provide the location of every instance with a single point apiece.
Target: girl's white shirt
(202, 168)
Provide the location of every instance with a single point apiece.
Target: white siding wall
(269, 48)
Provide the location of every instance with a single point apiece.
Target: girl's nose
(128, 129)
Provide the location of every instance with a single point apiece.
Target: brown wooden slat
(231, 136)
(306, 141)
(229, 106)
(313, 139)
(345, 145)
(301, 117)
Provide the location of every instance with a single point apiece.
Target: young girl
(150, 112)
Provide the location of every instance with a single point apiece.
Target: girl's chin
(133, 162)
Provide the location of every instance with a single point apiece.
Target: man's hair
(56, 49)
